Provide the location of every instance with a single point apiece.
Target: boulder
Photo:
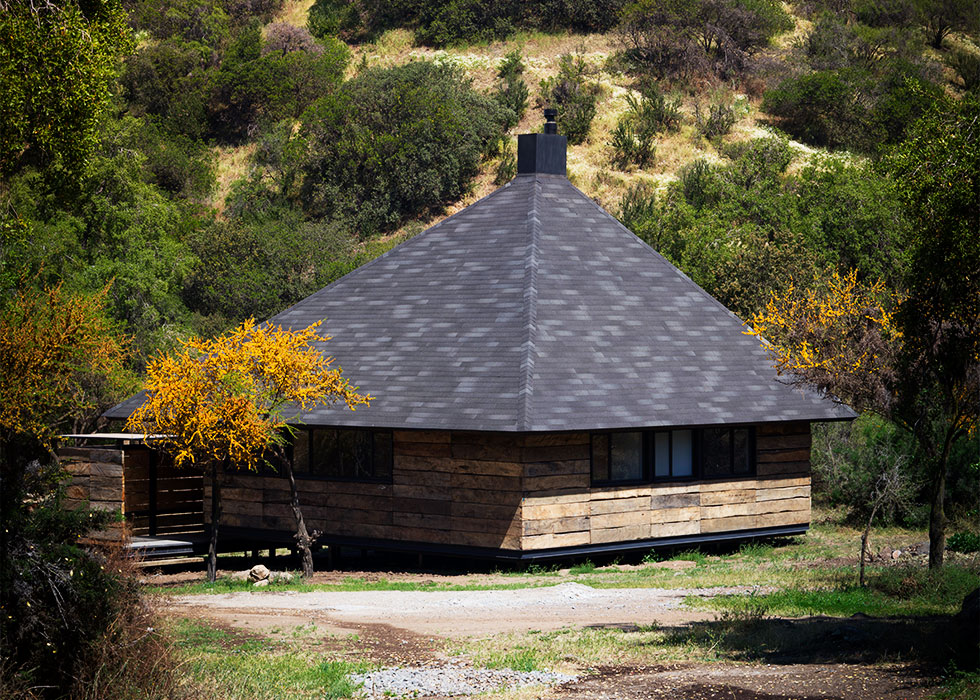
(259, 572)
(280, 577)
(261, 584)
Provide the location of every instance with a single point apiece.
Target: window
(360, 455)
(726, 452)
(673, 454)
(667, 455)
(618, 457)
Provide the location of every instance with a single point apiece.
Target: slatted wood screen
(162, 500)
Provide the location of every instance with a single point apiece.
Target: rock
(896, 554)
(258, 572)
(280, 577)
(240, 576)
(261, 584)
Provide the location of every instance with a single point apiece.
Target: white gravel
(450, 680)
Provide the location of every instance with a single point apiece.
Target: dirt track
(462, 613)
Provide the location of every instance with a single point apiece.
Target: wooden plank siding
(446, 488)
(527, 492)
(565, 511)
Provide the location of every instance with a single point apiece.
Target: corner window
(357, 455)
(670, 455)
(726, 452)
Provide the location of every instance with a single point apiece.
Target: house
(546, 384)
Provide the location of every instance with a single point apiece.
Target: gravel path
(450, 680)
(473, 613)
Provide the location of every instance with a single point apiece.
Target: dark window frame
(644, 461)
(305, 471)
(648, 466)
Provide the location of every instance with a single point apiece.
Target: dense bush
(574, 94)
(512, 92)
(170, 80)
(865, 88)
(966, 63)
(746, 228)
(715, 120)
(446, 22)
(73, 623)
(696, 38)
(966, 542)
(646, 116)
(267, 81)
(394, 143)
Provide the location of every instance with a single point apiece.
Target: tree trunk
(215, 518)
(303, 539)
(864, 542)
(937, 515)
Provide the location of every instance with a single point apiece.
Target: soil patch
(752, 682)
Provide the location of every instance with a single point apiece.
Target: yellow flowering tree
(838, 336)
(842, 338)
(220, 403)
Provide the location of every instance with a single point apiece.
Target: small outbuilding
(546, 384)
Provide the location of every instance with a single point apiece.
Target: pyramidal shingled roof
(535, 310)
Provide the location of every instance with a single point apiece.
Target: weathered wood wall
(560, 510)
(447, 488)
(528, 492)
(119, 479)
(96, 480)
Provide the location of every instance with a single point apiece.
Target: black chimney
(542, 153)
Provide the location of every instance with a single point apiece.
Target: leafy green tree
(938, 387)
(394, 143)
(57, 67)
(262, 82)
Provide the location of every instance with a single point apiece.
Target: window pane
(362, 466)
(301, 452)
(325, 458)
(661, 454)
(682, 456)
(382, 455)
(626, 456)
(715, 454)
(742, 462)
(600, 458)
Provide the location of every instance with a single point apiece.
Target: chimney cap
(543, 153)
(550, 125)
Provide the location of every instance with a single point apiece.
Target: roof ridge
(526, 391)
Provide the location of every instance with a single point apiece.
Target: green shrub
(395, 143)
(966, 63)
(451, 22)
(821, 109)
(966, 542)
(716, 121)
(645, 117)
(73, 622)
(261, 81)
(692, 39)
(574, 95)
(512, 93)
(506, 168)
(170, 80)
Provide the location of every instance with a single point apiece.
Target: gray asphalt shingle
(535, 310)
